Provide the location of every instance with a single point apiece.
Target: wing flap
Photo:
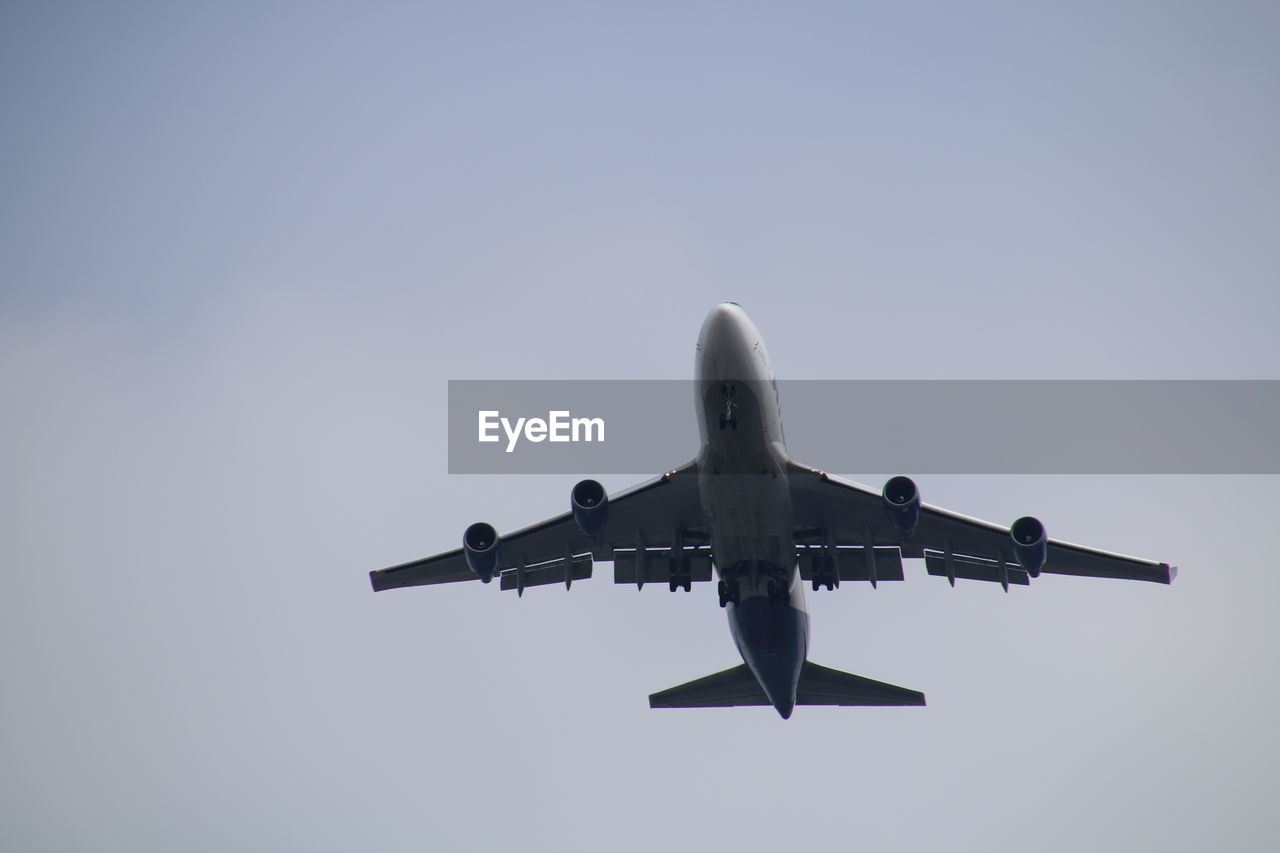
(852, 563)
(974, 569)
(657, 566)
(547, 573)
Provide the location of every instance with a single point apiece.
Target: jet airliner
(744, 513)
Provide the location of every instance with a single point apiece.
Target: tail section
(819, 685)
(733, 686)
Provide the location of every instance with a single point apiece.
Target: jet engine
(1030, 545)
(480, 544)
(902, 503)
(590, 505)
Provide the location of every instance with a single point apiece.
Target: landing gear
(778, 592)
(681, 576)
(824, 573)
(729, 593)
(729, 409)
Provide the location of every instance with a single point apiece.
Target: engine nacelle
(480, 544)
(1030, 544)
(902, 503)
(590, 505)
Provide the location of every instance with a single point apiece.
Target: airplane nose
(728, 345)
(724, 321)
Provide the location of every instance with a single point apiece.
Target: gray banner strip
(911, 426)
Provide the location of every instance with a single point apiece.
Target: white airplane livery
(743, 512)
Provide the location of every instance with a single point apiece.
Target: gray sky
(243, 247)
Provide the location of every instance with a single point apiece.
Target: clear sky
(243, 247)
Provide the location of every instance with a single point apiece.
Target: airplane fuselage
(746, 499)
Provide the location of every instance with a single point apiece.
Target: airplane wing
(852, 519)
(556, 550)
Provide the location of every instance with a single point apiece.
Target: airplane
(762, 523)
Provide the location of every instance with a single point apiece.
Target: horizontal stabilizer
(735, 686)
(819, 685)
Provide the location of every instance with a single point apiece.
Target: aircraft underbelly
(745, 494)
(749, 516)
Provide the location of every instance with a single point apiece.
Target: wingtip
(1173, 573)
(380, 580)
